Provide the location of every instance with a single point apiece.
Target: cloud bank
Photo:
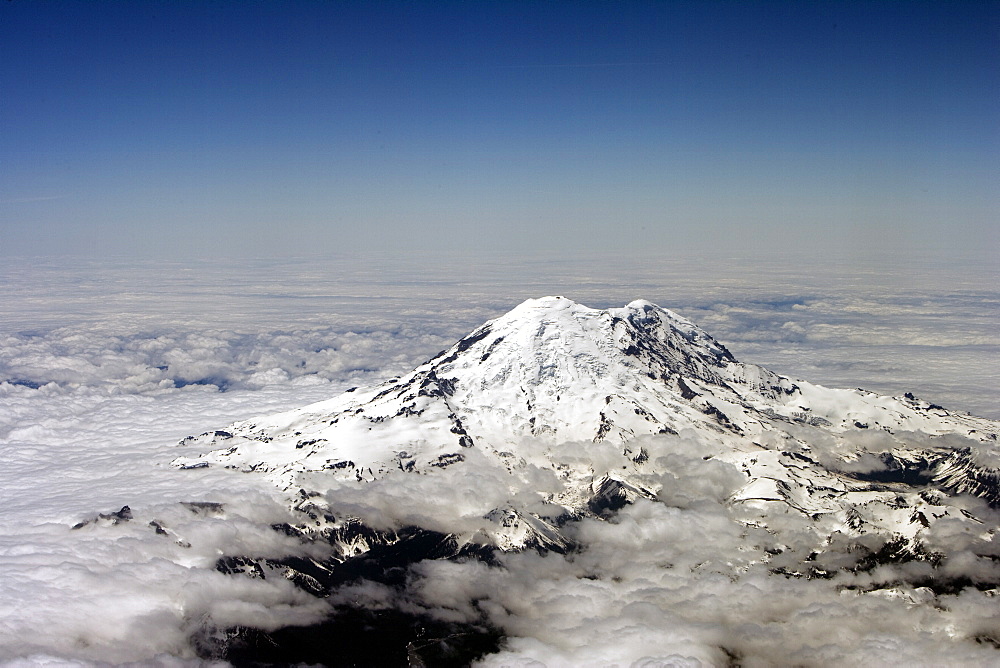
(105, 368)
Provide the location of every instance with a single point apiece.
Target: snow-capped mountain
(555, 419)
(553, 376)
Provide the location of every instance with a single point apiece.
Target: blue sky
(259, 128)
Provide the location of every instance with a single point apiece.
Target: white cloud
(92, 422)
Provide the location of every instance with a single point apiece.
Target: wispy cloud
(580, 65)
(30, 200)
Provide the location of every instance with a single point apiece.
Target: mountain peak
(557, 369)
(660, 341)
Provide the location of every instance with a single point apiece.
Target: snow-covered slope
(553, 375)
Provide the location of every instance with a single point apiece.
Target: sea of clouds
(105, 366)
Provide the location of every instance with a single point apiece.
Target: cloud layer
(106, 367)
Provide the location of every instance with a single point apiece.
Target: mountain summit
(552, 372)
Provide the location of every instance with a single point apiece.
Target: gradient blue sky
(258, 128)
